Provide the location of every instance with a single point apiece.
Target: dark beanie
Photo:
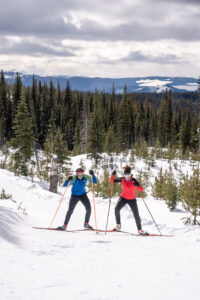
(127, 170)
(79, 170)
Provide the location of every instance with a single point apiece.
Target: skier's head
(79, 172)
(127, 171)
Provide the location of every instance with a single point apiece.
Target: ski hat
(79, 170)
(127, 170)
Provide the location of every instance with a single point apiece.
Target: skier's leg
(120, 203)
(134, 208)
(86, 202)
(72, 204)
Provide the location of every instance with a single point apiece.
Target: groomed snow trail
(49, 265)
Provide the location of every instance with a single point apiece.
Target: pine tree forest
(98, 122)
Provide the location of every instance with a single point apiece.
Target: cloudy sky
(106, 38)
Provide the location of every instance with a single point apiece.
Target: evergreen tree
(2, 110)
(35, 108)
(96, 132)
(158, 186)
(69, 134)
(168, 118)
(110, 142)
(194, 135)
(146, 122)
(49, 145)
(143, 179)
(60, 148)
(17, 92)
(190, 195)
(105, 185)
(198, 110)
(43, 115)
(58, 106)
(67, 102)
(111, 108)
(161, 123)
(23, 138)
(124, 119)
(153, 128)
(77, 144)
(170, 189)
(185, 131)
(173, 131)
(51, 98)
(84, 123)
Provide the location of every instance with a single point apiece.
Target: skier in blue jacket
(79, 194)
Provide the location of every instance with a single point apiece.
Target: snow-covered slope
(48, 265)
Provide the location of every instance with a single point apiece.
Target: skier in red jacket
(129, 185)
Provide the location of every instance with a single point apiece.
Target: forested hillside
(70, 122)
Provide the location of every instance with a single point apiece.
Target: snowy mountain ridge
(152, 84)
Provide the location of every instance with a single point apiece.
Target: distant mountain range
(153, 84)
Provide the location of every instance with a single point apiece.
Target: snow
(157, 85)
(49, 265)
(189, 87)
(153, 82)
(161, 85)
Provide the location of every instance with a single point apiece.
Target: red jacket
(128, 187)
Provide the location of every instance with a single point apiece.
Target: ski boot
(142, 232)
(117, 227)
(62, 228)
(87, 226)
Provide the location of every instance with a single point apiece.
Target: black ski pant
(133, 205)
(72, 204)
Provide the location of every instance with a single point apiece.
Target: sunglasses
(79, 174)
(127, 175)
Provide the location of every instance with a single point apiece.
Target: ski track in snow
(49, 265)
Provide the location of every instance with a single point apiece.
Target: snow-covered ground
(49, 265)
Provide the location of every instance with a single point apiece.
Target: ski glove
(70, 178)
(114, 173)
(91, 173)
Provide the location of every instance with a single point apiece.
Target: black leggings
(133, 205)
(72, 204)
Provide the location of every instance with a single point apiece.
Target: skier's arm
(136, 183)
(113, 179)
(94, 179)
(65, 184)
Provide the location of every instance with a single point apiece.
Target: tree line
(62, 122)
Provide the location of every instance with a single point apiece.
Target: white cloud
(101, 38)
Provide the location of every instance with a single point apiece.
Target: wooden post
(54, 176)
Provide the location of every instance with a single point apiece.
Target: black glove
(114, 173)
(70, 178)
(91, 173)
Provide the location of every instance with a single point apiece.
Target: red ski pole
(58, 206)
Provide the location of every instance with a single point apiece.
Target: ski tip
(47, 228)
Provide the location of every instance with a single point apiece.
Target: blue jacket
(78, 185)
